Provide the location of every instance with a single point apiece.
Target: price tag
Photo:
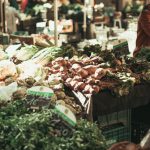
(120, 47)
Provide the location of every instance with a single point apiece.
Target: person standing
(24, 5)
(143, 32)
(11, 16)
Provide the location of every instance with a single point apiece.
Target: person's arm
(145, 22)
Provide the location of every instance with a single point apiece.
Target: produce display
(22, 128)
(23, 111)
(90, 75)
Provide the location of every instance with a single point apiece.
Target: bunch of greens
(72, 11)
(69, 50)
(92, 49)
(48, 54)
(25, 52)
(21, 128)
(122, 82)
(144, 54)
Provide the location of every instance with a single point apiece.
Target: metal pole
(4, 16)
(1, 16)
(56, 22)
(84, 19)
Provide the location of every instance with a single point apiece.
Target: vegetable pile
(89, 75)
(21, 128)
(144, 54)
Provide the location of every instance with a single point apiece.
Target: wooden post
(1, 15)
(56, 22)
(84, 19)
(4, 17)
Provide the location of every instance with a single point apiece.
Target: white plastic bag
(29, 69)
(7, 69)
(7, 91)
(3, 55)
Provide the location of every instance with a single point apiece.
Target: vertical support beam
(56, 22)
(84, 19)
(2, 16)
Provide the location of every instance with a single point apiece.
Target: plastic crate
(116, 127)
(116, 117)
(22, 33)
(116, 133)
(140, 122)
(138, 131)
(4, 39)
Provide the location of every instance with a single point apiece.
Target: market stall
(50, 88)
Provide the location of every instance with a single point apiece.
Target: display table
(105, 103)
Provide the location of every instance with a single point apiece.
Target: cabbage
(26, 52)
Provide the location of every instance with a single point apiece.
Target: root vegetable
(96, 88)
(80, 86)
(61, 61)
(99, 73)
(88, 89)
(90, 69)
(64, 76)
(68, 80)
(58, 87)
(83, 73)
(78, 78)
(97, 59)
(75, 66)
(71, 108)
(73, 83)
(90, 80)
(56, 66)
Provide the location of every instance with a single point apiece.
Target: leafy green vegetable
(89, 49)
(144, 54)
(48, 54)
(21, 129)
(26, 52)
